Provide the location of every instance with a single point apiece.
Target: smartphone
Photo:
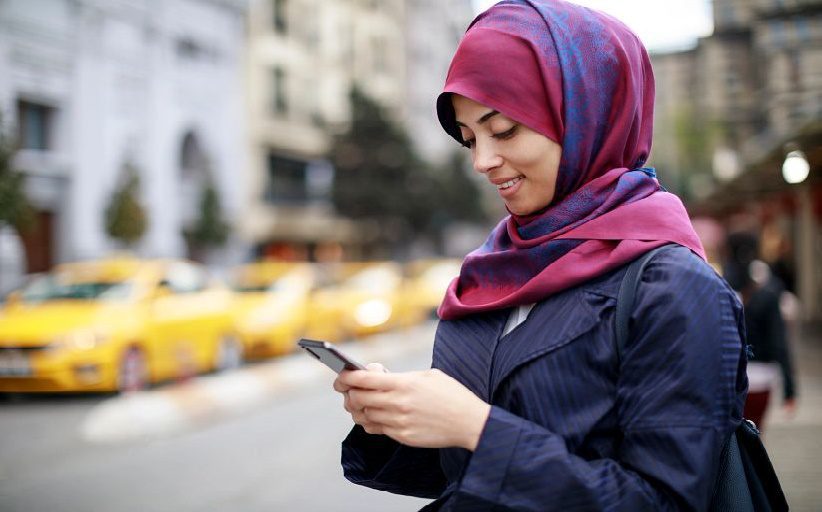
(330, 355)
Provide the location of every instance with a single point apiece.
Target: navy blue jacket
(571, 429)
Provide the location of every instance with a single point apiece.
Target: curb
(178, 408)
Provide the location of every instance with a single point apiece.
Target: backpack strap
(626, 296)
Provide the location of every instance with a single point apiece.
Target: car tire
(229, 354)
(132, 374)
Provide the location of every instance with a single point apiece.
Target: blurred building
(729, 112)
(301, 68)
(433, 30)
(93, 87)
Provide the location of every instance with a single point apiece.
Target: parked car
(116, 324)
(358, 299)
(272, 305)
(427, 281)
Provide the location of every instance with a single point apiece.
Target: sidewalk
(170, 410)
(795, 445)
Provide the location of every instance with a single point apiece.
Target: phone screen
(330, 355)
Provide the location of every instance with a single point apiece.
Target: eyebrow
(482, 119)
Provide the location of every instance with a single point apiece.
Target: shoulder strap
(626, 295)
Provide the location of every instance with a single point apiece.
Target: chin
(520, 210)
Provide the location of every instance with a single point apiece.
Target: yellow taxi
(117, 324)
(426, 282)
(358, 299)
(271, 306)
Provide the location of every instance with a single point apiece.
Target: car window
(58, 287)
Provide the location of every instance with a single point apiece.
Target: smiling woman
(520, 162)
(530, 405)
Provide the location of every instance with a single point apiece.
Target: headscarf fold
(584, 80)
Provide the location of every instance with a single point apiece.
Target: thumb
(376, 367)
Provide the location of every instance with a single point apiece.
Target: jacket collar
(470, 349)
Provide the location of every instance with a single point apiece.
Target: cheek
(539, 165)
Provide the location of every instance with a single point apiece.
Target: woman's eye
(507, 134)
(468, 143)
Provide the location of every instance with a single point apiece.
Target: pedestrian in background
(529, 405)
(760, 292)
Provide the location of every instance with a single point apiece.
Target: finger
(386, 418)
(373, 428)
(340, 387)
(371, 380)
(361, 417)
(347, 403)
(376, 367)
(368, 398)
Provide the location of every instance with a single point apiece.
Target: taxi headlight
(82, 340)
(372, 313)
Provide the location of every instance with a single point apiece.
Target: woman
(528, 406)
(765, 327)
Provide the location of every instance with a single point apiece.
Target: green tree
(696, 137)
(126, 219)
(210, 230)
(461, 199)
(15, 208)
(380, 177)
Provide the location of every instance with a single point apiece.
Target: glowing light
(373, 313)
(795, 169)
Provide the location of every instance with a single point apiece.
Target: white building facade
(433, 31)
(93, 86)
(304, 56)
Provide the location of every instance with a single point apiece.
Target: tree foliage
(15, 208)
(210, 230)
(380, 177)
(126, 218)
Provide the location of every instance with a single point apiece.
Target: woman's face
(521, 163)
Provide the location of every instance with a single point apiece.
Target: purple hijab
(584, 80)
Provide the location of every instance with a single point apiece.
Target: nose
(485, 157)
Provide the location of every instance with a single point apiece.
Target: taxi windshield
(52, 287)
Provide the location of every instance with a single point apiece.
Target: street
(284, 454)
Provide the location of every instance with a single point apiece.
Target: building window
(280, 20)
(287, 180)
(279, 100)
(34, 123)
(778, 35)
(803, 30)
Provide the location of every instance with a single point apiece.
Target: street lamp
(795, 168)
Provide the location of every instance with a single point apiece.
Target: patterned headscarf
(584, 80)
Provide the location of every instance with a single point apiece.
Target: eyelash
(507, 134)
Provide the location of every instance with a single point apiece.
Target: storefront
(787, 216)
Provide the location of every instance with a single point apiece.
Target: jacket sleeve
(679, 396)
(379, 462)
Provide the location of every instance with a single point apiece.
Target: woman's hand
(343, 388)
(426, 409)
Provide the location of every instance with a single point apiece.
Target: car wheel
(133, 372)
(229, 354)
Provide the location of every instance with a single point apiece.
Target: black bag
(746, 480)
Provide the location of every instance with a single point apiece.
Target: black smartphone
(330, 355)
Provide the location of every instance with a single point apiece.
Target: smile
(509, 183)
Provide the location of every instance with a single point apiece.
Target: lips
(508, 184)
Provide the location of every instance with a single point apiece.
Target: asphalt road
(278, 452)
(282, 455)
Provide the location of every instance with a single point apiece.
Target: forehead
(469, 112)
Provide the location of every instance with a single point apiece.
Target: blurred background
(189, 186)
